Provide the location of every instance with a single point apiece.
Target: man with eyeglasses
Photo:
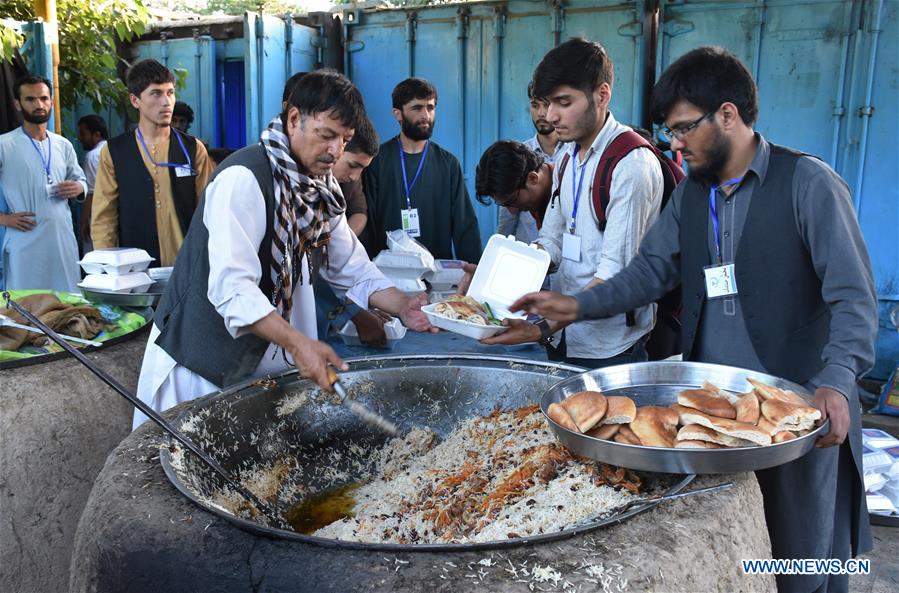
(775, 277)
(513, 218)
(576, 80)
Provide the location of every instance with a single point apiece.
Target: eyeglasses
(680, 131)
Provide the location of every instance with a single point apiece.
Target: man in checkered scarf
(240, 303)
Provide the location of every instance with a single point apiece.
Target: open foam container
(509, 269)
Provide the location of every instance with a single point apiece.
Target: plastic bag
(888, 403)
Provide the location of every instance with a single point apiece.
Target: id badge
(410, 222)
(720, 281)
(571, 247)
(184, 171)
(52, 190)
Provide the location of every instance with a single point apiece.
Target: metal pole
(866, 111)
(46, 10)
(266, 510)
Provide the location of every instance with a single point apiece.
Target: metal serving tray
(124, 299)
(658, 383)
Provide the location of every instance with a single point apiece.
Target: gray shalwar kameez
(814, 506)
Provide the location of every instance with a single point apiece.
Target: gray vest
(191, 331)
(787, 320)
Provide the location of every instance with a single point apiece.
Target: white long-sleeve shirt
(635, 197)
(234, 214)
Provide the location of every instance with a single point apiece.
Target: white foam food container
(115, 261)
(398, 264)
(408, 285)
(447, 276)
(509, 269)
(394, 329)
(119, 284)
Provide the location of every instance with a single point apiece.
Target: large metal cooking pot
(288, 423)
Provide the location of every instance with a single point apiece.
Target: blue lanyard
(406, 185)
(714, 208)
(576, 182)
(178, 136)
(41, 153)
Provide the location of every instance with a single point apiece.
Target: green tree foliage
(237, 7)
(87, 51)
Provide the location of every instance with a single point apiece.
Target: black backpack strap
(558, 190)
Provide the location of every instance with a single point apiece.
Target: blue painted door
(273, 50)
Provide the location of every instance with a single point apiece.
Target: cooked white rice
(494, 478)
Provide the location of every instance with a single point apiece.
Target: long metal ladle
(270, 512)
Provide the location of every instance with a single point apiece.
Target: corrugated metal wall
(827, 73)
(481, 57)
(271, 49)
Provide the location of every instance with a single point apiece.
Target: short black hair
(327, 90)
(365, 139)
(29, 79)
(706, 77)
(288, 86)
(412, 89)
(94, 123)
(147, 72)
(577, 63)
(182, 109)
(503, 169)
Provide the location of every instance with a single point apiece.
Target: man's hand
(519, 332)
(465, 282)
(68, 189)
(370, 328)
(551, 305)
(312, 357)
(833, 405)
(413, 317)
(21, 221)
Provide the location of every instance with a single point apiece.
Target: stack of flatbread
(705, 418)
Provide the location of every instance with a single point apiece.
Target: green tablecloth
(119, 322)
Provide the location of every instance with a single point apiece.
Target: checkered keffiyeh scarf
(304, 207)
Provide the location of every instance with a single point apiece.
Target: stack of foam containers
(881, 464)
(405, 262)
(118, 270)
(444, 281)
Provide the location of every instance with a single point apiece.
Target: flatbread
(586, 408)
(707, 402)
(655, 426)
(621, 410)
(747, 407)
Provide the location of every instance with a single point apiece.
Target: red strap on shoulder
(620, 147)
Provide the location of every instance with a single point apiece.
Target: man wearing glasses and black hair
(775, 277)
(576, 80)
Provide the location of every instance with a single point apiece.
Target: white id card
(571, 247)
(184, 171)
(410, 222)
(720, 281)
(52, 190)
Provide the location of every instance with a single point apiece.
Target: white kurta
(47, 255)
(234, 214)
